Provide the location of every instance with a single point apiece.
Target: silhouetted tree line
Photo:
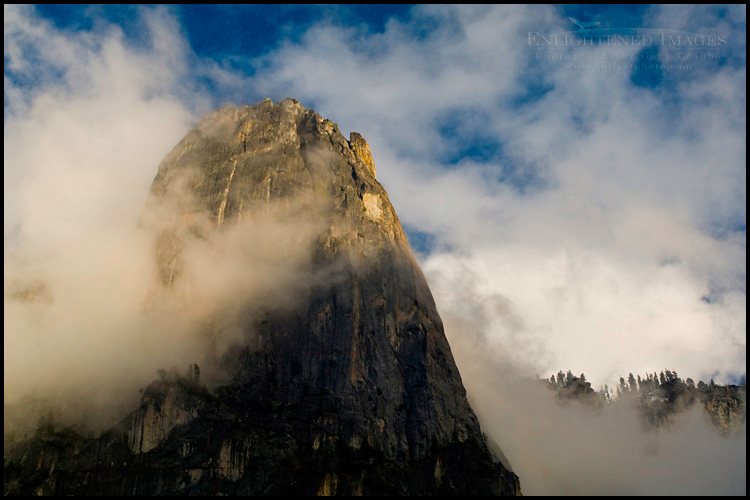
(48, 422)
(569, 386)
(191, 377)
(659, 396)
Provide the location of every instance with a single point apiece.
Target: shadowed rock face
(350, 388)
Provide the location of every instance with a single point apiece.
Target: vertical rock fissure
(223, 206)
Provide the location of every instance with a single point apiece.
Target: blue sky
(499, 158)
(488, 146)
(573, 207)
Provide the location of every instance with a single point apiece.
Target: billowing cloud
(582, 219)
(89, 116)
(609, 215)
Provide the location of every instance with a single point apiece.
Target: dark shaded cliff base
(236, 445)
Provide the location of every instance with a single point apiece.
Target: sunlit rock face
(343, 383)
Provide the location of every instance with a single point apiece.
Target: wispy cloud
(598, 224)
(606, 211)
(604, 233)
(88, 116)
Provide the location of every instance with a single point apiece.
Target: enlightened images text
(615, 40)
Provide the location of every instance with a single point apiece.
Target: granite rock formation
(349, 388)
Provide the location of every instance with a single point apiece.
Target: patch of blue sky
(465, 137)
(608, 15)
(376, 31)
(428, 22)
(648, 72)
(68, 16)
(36, 71)
(377, 16)
(422, 242)
(242, 33)
(731, 226)
(534, 89)
(467, 141)
(247, 31)
(77, 18)
(458, 147)
(34, 74)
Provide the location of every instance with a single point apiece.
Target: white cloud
(81, 146)
(628, 179)
(599, 267)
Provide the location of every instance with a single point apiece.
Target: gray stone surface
(351, 389)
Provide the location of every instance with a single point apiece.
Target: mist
(648, 240)
(566, 447)
(88, 318)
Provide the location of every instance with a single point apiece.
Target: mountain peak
(341, 381)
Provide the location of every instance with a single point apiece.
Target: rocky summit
(345, 386)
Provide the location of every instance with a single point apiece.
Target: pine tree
(632, 383)
(194, 373)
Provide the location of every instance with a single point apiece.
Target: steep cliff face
(349, 388)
